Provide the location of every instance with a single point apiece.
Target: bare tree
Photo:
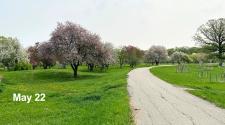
(212, 36)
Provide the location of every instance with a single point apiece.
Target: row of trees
(71, 44)
(158, 54)
(210, 36)
(91, 52)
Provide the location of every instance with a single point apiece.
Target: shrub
(22, 66)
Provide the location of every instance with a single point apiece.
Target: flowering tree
(11, 51)
(199, 57)
(106, 55)
(180, 57)
(98, 54)
(74, 45)
(156, 54)
(33, 55)
(45, 54)
(93, 51)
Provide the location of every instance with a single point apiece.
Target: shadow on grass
(1, 87)
(93, 97)
(44, 76)
(109, 87)
(94, 71)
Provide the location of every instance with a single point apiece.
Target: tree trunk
(220, 59)
(91, 67)
(132, 65)
(107, 66)
(63, 66)
(121, 65)
(33, 66)
(45, 66)
(7, 68)
(102, 67)
(75, 68)
(75, 72)
(88, 65)
(220, 54)
(221, 63)
(157, 63)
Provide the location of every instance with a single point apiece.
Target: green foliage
(203, 87)
(121, 56)
(187, 50)
(180, 57)
(93, 98)
(133, 55)
(199, 57)
(22, 66)
(211, 36)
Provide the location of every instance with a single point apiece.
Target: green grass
(94, 98)
(205, 87)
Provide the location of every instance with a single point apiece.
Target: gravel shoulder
(155, 102)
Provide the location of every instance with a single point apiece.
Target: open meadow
(98, 62)
(207, 82)
(90, 99)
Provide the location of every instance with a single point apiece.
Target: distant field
(91, 99)
(208, 84)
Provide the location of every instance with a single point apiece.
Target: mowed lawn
(94, 98)
(205, 87)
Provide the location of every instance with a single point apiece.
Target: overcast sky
(122, 22)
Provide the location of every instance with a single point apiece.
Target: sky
(141, 23)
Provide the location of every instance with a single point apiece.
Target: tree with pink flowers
(74, 45)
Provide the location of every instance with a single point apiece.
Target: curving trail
(155, 102)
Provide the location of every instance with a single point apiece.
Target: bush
(22, 66)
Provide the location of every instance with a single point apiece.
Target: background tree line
(72, 45)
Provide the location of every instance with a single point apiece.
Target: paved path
(155, 102)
